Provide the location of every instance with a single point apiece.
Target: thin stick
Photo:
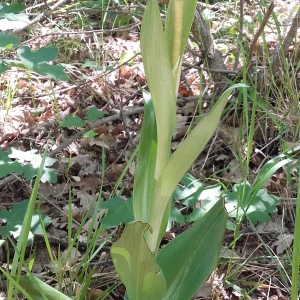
(236, 63)
(40, 17)
(258, 33)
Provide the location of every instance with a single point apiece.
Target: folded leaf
(188, 260)
(136, 266)
(33, 286)
(145, 168)
(159, 76)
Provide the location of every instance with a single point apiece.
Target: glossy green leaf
(175, 216)
(91, 64)
(23, 156)
(37, 61)
(33, 286)
(13, 8)
(90, 134)
(7, 166)
(240, 203)
(119, 211)
(48, 175)
(145, 168)
(195, 215)
(160, 80)
(94, 114)
(14, 220)
(71, 121)
(3, 68)
(136, 266)
(187, 261)
(6, 39)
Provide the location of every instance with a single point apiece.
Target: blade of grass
(296, 248)
(18, 259)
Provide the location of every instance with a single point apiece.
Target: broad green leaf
(239, 203)
(187, 261)
(16, 63)
(160, 80)
(94, 114)
(127, 56)
(192, 185)
(144, 173)
(71, 121)
(136, 266)
(195, 215)
(48, 174)
(33, 286)
(204, 194)
(17, 18)
(7, 166)
(178, 165)
(23, 156)
(14, 220)
(175, 216)
(91, 64)
(37, 61)
(14, 8)
(8, 39)
(90, 134)
(119, 211)
(3, 68)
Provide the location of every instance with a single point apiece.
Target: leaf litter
(26, 126)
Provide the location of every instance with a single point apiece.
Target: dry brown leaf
(55, 190)
(168, 236)
(114, 173)
(189, 108)
(283, 242)
(83, 164)
(88, 184)
(180, 128)
(29, 119)
(93, 294)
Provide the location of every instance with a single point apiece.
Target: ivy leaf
(14, 8)
(3, 67)
(127, 56)
(7, 166)
(90, 134)
(196, 191)
(257, 210)
(175, 216)
(6, 39)
(36, 61)
(72, 121)
(93, 114)
(14, 220)
(109, 68)
(22, 156)
(119, 211)
(195, 215)
(91, 64)
(191, 192)
(48, 175)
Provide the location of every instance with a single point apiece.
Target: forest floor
(92, 124)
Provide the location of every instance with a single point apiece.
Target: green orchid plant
(180, 268)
